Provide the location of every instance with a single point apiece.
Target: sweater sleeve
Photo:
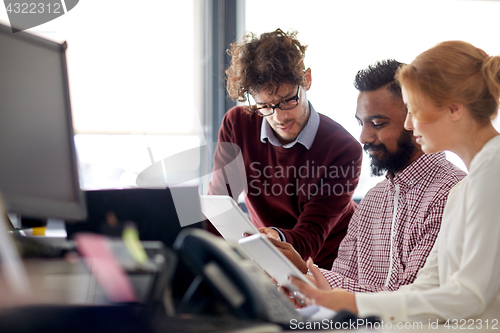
(321, 213)
(228, 176)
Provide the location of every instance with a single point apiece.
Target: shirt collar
(418, 170)
(305, 137)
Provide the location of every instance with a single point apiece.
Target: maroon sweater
(307, 194)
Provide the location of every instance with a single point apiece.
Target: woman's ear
(456, 111)
(307, 79)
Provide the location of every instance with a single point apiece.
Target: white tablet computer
(227, 217)
(270, 259)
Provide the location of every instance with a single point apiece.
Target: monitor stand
(11, 266)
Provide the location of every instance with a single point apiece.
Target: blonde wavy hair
(453, 72)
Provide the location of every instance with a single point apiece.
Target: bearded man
(394, 227)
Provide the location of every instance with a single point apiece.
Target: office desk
(59, 281)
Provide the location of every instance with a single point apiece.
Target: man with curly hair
(301, 167)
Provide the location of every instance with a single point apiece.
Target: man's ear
(307, 79)
(456, 111)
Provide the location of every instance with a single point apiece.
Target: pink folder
(102, 263)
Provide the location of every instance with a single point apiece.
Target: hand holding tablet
(232, 223)
(270, 259)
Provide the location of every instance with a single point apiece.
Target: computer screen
(38, 166)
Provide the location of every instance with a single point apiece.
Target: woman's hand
(335, 299)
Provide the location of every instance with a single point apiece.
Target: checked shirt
(394, 227)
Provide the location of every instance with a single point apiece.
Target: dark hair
(378, 75)
(264, 63)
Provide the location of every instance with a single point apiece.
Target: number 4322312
(34, 8)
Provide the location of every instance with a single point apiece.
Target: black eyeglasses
(268, 110)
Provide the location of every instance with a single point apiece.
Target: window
(135, 67)
(133, 84)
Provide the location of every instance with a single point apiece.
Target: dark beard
(391, 163)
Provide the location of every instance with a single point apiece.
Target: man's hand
(270, 233)
(319, 279)
(289, 252)
(335, 299)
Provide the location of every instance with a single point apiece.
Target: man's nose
(280, 116)
(367, 135)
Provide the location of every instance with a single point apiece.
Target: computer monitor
(38, 166)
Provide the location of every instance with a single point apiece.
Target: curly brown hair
(264, 63)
